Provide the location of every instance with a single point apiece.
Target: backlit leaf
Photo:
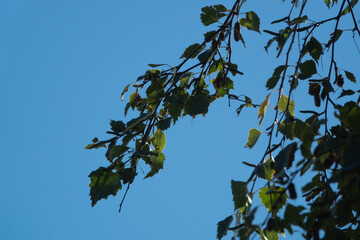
(196, 105)
(251, 22)
(157, 163)
(283, 103)
(253, 136)
(273, 198)
(211, 14)
(263, 108)
(158, 140)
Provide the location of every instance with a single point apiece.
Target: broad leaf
(272, 82)
(314, 48)
(283, 104)
(196, 105)
(240, 194)
(254, 135)
(223, 227)
(285, 157)
(157, 163)
(251, 22)
(273, 198)
(308, 68)
(116, 151)
(103, 183)
(264, 170)
(211, 14)
(164, 124)
(158, 140)
(192, 51)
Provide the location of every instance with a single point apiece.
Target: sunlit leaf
(158, 140)
(157, 163)
(251, 22)
(211, 14)
(263, 108)
(273, 198)
(283, 105)
(253, 136)
(192, 51)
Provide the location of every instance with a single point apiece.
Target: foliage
(328, 152)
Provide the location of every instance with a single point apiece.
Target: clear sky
(63, 65)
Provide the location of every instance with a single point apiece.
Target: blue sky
(63, 65)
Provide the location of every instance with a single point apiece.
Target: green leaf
(298, 20)
(157, 163)
(240, 194)
(132, 100)
(264, 170)
(96, 145)
(205, 56)
(220, 8)
(196, 105)
(216, 65)
(334, 37)
(126, 88)
(209, 36)
(263, 108)
(117, 126)
(211, 15)
(117, 151)
(223, 227)
(103, 183)
(192, 51)
(350, 76)
(285, 157)
(251, 22)
(273, 198)
(308, 68)
(347, 9)
(254, 135)
(155, 65)
(272, 82)
(283, 101)
(314, 48)
(185, 79)
(293, 215)
(164, 124)
(158, 140)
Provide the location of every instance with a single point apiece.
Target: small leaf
(209, 36)
(350, 76)
(157, 163)
(210, 15)
(272, 82)
(117, 151)
(263, 108)
(240, 194)
(315, 48)
(192, 51)
(126, 88)
(264, 170)
(308, 68)
(158, 140)
(334, 37)
(223, 227)
(347, 9)
(251, 22)
(254, 135)
(196, 105)
(285, 157)
(103, 183)
(346, 93)
(164, 124)
(273, 198)
(283, 104)
(117, 126)
(298, 20)
(155, 65)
